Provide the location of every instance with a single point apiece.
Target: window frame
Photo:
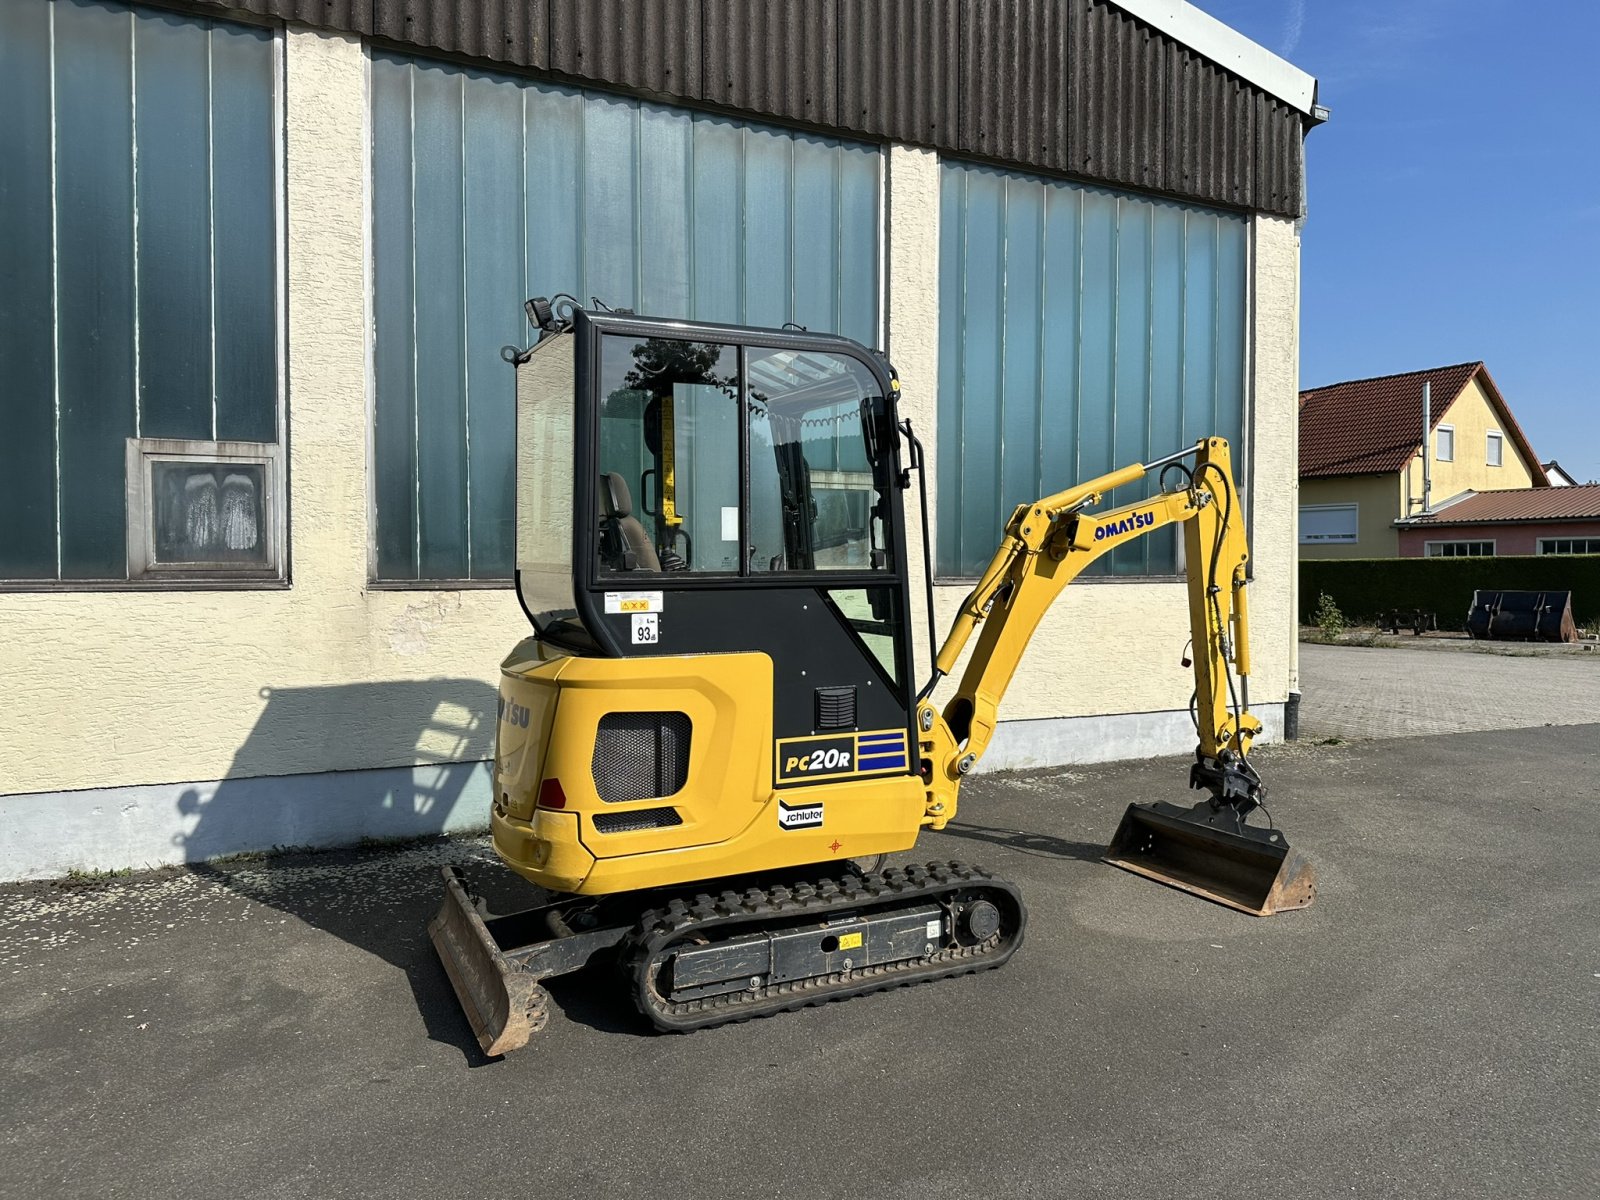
(1494, 438)
(280, 579)
(1439, 456)
(1353, 540)
(144, 453)
(1539, 547)
(1427, 547)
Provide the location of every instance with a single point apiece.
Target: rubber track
(661, 930)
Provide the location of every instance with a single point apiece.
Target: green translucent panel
(610, 202)
(438, 250)
(394, 443)
(27, 373)
(561, 190)
(860, 176)
(769, 227)
(552, 122)
(666, 226)
(718, 176)
(952, 279)
(494, 295)
(1081, 330)
(159, 120)
(244, 189)
(95, 281)
(1130, 404)
(174, 228)
(816, 216)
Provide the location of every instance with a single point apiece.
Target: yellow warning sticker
(849, 941)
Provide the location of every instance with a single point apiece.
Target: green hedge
(1365, 587)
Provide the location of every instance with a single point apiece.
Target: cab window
(669, 456)
(818, 463)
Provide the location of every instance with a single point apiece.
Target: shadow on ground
(379, 896)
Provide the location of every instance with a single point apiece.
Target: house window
(1493, 450)
(488, 189)
(1444, 442)
(1325, 524)
(1080, 330)
(1569, 545)
(140, 254)
(1459, 549)
(204, 510)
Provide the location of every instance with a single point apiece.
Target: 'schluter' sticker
(799, 816)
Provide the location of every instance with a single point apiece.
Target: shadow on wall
(376, 899)
(442, 728)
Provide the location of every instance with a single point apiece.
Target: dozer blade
(1215, 855)
(504, 1005)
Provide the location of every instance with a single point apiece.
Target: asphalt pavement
(280, 1028)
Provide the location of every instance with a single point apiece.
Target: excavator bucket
(504, 1004)
(1214, 854)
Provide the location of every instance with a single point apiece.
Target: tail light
(551, 795)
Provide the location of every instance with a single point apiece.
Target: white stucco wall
(149, 727)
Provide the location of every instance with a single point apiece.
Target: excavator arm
(1048, 544)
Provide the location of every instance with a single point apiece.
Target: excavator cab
(711, 551)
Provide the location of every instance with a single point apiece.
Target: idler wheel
(981, 921)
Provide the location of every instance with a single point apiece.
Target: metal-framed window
(1458, 549)
(141, 248)
(1494, 448)
(489, 188)
(204, 511)
(1569, 545)
(1329, 524)
(1080, 329)
(1444, 443)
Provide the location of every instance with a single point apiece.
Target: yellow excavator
(715, 732)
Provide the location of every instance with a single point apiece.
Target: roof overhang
(1230, 49)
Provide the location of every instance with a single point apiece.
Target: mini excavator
(715, 732)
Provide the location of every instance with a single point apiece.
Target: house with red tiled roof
(1533, 520)
(1365, 467)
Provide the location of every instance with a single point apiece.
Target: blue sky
(1454, 197)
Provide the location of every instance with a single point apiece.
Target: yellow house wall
(1474, 418)
(1377, 498)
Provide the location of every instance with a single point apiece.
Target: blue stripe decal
(898, 739)
(875, 762)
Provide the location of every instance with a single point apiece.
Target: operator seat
(632, 542)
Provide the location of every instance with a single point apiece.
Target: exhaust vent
(641, 818)
(836, 708)
(640, 755)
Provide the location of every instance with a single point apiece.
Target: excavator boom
(1209, 849)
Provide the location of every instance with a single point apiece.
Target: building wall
(1104, 679)
(1520, 537)
(1377, 499)
(148, 699)
(163, 726)
(1473, 417)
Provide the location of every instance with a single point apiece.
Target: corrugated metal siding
(643, 45)
(509, 31)
(774, 57)
(897, 64)
(1077, 87)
